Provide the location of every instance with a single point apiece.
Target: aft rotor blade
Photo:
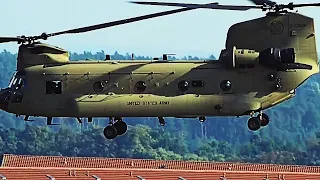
(207, 6)
(262, 2)
(119, 22)
(10, 39)
(304, 5)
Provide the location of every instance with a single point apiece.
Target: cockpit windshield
(12, 80)
(16, 82)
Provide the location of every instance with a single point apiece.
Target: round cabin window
(140, 86)
(183, 85)
(225, 85)
(98, 86)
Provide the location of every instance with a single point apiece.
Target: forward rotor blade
(10, 39)
(262, 2)
(187, 5)
(119, 22)
(207, 6)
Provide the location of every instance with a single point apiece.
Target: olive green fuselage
(119, 95)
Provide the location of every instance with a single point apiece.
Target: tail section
(290, 30)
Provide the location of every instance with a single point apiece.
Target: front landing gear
(110, 132)
(202, 119)
(264, 119)
(115, 128)
(255, 123)
(162, 122)
(121, 127)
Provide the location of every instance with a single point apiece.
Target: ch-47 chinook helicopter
(264, 61)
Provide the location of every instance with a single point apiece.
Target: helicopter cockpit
(14, 92)
(15, 82)
(16, 85)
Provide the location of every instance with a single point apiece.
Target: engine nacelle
(273, 57)
(234, 58)
(281, 59)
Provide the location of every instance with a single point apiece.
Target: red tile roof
(65, 168)
(130, 174)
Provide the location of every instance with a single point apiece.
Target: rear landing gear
(255, 123)
(202, 118)
(115, 128)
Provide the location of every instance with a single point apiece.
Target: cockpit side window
(53, 87)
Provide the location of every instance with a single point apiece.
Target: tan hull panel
(151, 106)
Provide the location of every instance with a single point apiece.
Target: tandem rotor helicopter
(264, 61)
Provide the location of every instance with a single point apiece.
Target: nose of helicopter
(4, 98)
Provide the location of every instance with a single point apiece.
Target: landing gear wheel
(202, 119)
(264, 119)
(254, 124)
(162, 122)
(121, 127)
(110, 132)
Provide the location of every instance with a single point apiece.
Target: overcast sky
(198, 32)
